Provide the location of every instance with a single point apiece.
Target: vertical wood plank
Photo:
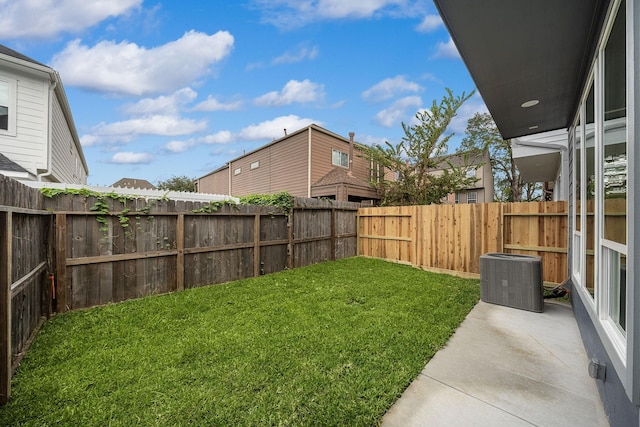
(61, 262)
(333, 234)
(5, 303)
(256, 245)
(180, 257)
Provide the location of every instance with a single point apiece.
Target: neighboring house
(134, 183)
(478, 166)
(38, 139)
(574, 66)
(310, 162)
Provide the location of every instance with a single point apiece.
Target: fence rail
(453, 237)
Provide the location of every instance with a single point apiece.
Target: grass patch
(331, 344)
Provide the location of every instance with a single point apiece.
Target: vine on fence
(282, 200)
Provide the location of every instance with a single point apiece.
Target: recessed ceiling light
(533, 127)
(530, 103)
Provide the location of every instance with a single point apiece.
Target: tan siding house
(311, 162)
(479, 167)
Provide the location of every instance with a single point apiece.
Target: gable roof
(340, 175)
(134, 183)
(10, 52)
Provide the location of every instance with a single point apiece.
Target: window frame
(11, 107)
(342, 155)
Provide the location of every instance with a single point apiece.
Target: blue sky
(161, 89)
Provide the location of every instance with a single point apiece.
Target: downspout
(351, 135)
(309, 164)
(48, 171)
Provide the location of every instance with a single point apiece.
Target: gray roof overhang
(517, 51)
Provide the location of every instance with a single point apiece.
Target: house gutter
(229, 178)
(48, 171)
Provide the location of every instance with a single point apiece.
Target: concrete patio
(505, 367)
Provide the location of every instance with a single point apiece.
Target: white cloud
(272, 129)
(222, 137)
(292, 13)
(294, 91)
(446, 50)
(127, 68)
(178, 146)
(48, 18)
(429, 23)
(392, 116)
(171, 104)
(301, 54)
(161, 125)
(389, 88)
(212, 104)
(127, 157)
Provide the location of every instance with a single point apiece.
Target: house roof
(339, 175)
(10, 52)
(287, 135)
(134, 183)
(522, 51)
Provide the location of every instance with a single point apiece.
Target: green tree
(178, 183)
(482, 134)
(419, 154)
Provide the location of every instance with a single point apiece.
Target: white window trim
(334, 150)
(11, 124)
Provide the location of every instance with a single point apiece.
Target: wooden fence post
(256, 245)
(61, 262)
(290, 237)
(333, 234)
(180, 256)
(6, 225)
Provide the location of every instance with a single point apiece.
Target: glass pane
(590, 187)
(615, 134)
(4, 105)
(578, 170)
(617, 267)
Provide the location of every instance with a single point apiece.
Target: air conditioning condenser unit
(512, 280)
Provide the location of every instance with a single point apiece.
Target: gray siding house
(573, 67)
(38, 139)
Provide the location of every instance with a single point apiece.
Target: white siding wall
(67, 165)
(28, 147)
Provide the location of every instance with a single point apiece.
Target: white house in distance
(572, 68)
(38, 139)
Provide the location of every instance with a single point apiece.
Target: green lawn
(331, 344)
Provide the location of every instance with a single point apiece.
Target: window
(255, 165)
(589, 202)
(457, 198)
(339, 158)
(472, 197)
(471, 173)
(237, 171)
(613, 158)
(7, 106)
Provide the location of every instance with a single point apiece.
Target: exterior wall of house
(27, 147)
(289, 165)
(216, 182)
(67, 165)
(603, 264)
(322, 146)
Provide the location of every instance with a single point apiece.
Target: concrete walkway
(505, 367)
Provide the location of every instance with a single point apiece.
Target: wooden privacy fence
(62, 254)
(139, 249)
(25, 237)
(453, 237)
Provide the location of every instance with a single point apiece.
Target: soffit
(518, 51)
